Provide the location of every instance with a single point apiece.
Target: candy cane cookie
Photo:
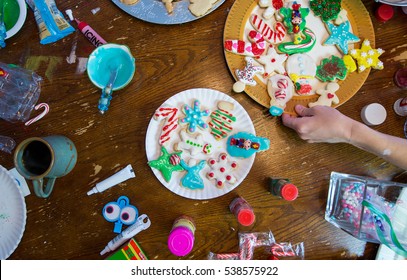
(304, 46)
(169, 114)
(222, 119)
(272, 36)
(255, 47)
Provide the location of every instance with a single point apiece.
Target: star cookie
(272, 62)
(167, 163)
(221, 170)
(367, 57)
(193, 117)
(341, 36)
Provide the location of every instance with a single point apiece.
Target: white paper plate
(209, 99)
(13, 214)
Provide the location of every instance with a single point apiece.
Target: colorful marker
(90, 34)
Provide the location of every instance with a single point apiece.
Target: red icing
(222, 169)
(212, 161)
(330, 95)
(223, 157)
(228, 177)
(219, 183)
(234, 165)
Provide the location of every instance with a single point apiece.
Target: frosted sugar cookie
(306, 43)
(327, 96)
(222, 120)
(167, 163)
(244, 144)
(169, 115)
(331, 69)
(194, 117)
(193, 179)
(295, 17)
(341, 36)
(222, 170)
(273, 36)
(349, 63)
(195, 144)
(280, 89)
(246, 75)
(272, 62)
(272, 7)
(367, 57)
(200, 7)
(326, 9)
(255, 47)
(301, 69)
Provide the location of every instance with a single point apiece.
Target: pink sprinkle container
(182, 236)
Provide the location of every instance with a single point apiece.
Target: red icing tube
(90, 34)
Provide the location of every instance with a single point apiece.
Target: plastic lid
(289, 192)
(181, 241)
(246, 217)
(384, 12)
(373, 114)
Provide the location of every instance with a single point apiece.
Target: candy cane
(40, 116)
(306, 45)
(282, 250)
(273, 36)
(256, 47)
(281, 92)
(170, 124)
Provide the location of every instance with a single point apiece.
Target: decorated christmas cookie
(195, 144)
(272, 36)
(244, 144)
(331, 69)
(222, 120)
(200, 7)
(327, 96)
(272, 62)
(280, 89)
(222, 170)
(255, 47)
(367, 57)
(349, 63)
(341, 36)
(167, 163)
(306, 43)
(193, 179)
(294, 17)
(194, 117)
(169, 115)
(326, 9)
(301, 69)
(272, 6)
(246, 75)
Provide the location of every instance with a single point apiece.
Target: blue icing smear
(244, 144)
(192, 179)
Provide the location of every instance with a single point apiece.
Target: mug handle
(39, 189)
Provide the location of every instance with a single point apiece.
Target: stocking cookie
(331, 69)
(246, 75)
(195, 144)
(367, 57)
(272, 62)
(326, 9)
(244, 144)
(167, 163)
(169, 115)
(193, 117)
(222, 120)
(327, 96)
(222, 171)
(272, 36)
(193, 179)
(341, 36)
(301, 68)
(255, 47)
(280, 89)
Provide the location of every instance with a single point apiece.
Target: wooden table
(170, 59)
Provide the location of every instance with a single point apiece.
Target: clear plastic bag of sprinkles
(369, 209)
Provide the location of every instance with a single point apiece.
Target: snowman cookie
(327, 96)
(301, 69)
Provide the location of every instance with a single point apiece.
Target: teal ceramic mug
(45, 158)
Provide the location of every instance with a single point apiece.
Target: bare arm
(326, 124)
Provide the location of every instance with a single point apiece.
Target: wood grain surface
(170, 59)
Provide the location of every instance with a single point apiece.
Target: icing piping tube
(121, 176)
(51, 23)
(143, 222)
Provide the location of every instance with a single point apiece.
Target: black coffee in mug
(36, 158)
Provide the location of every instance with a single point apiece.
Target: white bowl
(20, 20)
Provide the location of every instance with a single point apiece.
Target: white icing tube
(113, 180)
(143, 222)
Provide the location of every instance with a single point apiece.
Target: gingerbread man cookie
(331, 69)
(222, 120)
(222, 170)
(193, 117)
(327, 96)
(272, 62)
(195, 144)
